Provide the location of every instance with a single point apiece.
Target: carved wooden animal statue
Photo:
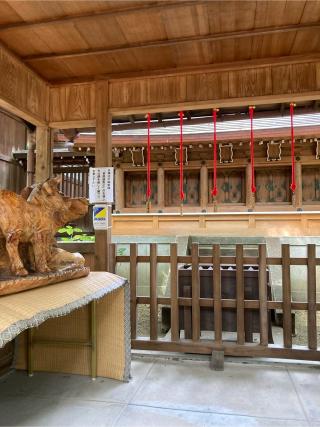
(35, 221)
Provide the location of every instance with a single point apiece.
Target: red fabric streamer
(148, 194)
(181, 157)
(214, 191)
(253, 187)
(293, 175)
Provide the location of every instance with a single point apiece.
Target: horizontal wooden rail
(230, 349)
(224, 260)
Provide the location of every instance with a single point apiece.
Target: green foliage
(72, 237)
(121, 251)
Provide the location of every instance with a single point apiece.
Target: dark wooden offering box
(228, 291)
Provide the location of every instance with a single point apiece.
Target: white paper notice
(101, 185)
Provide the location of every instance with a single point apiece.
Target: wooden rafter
(149, 6)
(176, 41)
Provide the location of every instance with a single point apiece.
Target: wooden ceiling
(66, 40)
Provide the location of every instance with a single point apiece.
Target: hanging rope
(148, 193)
(253, 187)
(293, 175)
(214, 191)
(181, 157)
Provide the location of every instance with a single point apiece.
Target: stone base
(13, 284)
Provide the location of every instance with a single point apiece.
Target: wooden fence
(74, 181)
(262, 305)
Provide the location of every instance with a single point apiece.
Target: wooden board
(13, 285)
(22, 91)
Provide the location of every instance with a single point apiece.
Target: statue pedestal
(14, 284)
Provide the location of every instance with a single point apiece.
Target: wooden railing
(74, 182)
(263, 305)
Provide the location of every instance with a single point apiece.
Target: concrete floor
(168, 393)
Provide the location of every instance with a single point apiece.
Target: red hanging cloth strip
(214, 191)
(148, 194)
(293, 175)
(253, 187)
(181, 157)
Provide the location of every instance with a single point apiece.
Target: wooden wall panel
(273, 185)
(22, 89)
(13, 136)
(72, 102)
(135, 189)
(256, 82)
(209, 86)
(311, 185)
(75, 102)
(230, 185)
(191, 188)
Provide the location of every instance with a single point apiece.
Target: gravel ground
(301, 337)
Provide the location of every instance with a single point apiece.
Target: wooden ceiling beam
(175, 42)
(149, 6)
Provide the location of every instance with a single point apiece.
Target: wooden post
(133, 289)
(297, 199)
(153, 293)
(240, 295)
(103, 158)
(204, 187)
(250, 198)
(195, 292)
(312, 298)
(31, 145)
(217, 295)
(160, 182)
(263, 296)
(174, 292)
(44, 165)
(119, 189)
(286, 297)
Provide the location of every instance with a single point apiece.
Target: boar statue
(28, 224)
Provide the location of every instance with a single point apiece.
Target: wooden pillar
(103, 158)
(297, 197)
(160, 185)
(250, 198)
(119, 189)
(204, 187)
(44, 166)
(31, 145)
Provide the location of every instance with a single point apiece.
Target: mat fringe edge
(15, 329)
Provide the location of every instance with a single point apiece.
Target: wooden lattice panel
(191, 188)
(273, 185)
(135, 189)
(230, 185)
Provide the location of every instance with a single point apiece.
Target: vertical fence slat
(112, 258)
(77, 184)
(240, 295)
(69, 184)
(217, 294)
(195, 292)
(153, 293)
(85, 192)
(312, 298)
(133, 289)
(64, 183)
(174, 292)
(263, 295)
(286, 296)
